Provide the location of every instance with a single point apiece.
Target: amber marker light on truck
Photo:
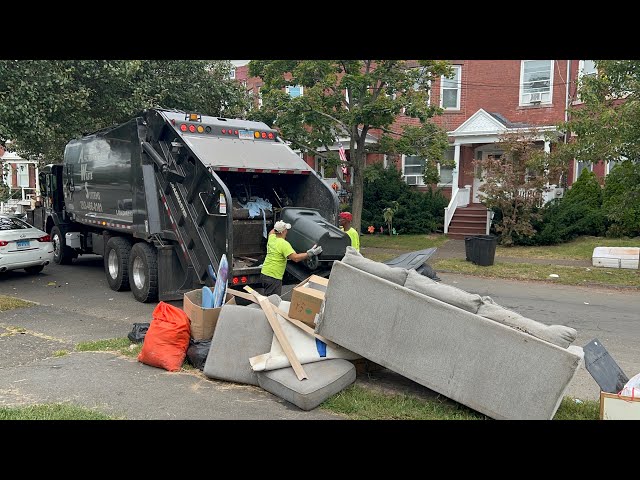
(256, 134)
(200, 129)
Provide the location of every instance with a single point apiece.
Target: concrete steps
(469, 220)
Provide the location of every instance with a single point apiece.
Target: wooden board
(618, 407)
(267, 308)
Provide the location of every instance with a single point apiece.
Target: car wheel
(116, 263)
(62, 254)
(143, 272)
(34, 269)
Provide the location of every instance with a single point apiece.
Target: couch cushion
(241, 333)
(445, 293)
(557, 334)
(355, 259)
(324, 380)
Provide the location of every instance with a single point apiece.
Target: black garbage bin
(468, 244)
(483, 249)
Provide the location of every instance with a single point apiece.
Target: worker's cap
(347, 216)
(281, 226)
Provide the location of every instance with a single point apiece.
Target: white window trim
(24, 167)
(459, 89)
(521, 91)
(419, 178)
(232, 73)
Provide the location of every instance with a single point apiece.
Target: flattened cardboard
(618, 407)
(203, 320)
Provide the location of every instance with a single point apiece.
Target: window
(294, 91)
(8, 223)
(536, 78)
(587, 68)
(232, 73)
(412, 169)
(450, 90)
(259, 95)
(23, 175)
(446, 173)
(580, 166)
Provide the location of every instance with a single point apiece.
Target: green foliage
(349, 98)
(578, 213)
(621, 200)
(607, 119)
(46, 103)
(417, 212)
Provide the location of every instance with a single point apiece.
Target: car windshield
(9, 223)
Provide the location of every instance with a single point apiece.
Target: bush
(418, 212)
(578, 213)
(621, 200)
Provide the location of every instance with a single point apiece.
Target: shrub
(621, 200)
(578, 213)
(418, 212)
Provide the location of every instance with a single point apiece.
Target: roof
(509, 124)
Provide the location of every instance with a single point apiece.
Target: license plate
(245, 134)
(23, 243)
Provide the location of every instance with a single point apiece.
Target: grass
(54, 411)
(9, 303)
(579, 249)
(60, 353)
(360, 403)
(526, 271)
(409, 243)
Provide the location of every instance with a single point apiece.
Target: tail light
(3, 243)
(46, 238)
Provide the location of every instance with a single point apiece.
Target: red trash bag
(166, 342)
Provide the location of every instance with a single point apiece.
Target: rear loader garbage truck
(165, 195)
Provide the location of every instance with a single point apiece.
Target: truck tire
(116, 263)
(62, 254)
(143, 272)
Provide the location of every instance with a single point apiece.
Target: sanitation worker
(345, 219)
(279, 250)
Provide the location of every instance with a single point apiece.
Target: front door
(479, 173)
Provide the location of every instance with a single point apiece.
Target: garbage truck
(163, 196)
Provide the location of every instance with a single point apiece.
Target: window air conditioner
(535, 97)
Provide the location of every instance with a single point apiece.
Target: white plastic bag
(631, 388)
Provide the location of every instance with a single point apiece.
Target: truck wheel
(116, 263)
(62, 254)
(143, 272)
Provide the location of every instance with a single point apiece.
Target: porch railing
(459, 198)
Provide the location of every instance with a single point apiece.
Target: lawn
(408, 243)
(578, 249)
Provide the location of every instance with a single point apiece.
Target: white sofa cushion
(393, 274)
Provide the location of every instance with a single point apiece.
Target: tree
(46, 103)
(606, 124)
(515, 182)
(352, 98)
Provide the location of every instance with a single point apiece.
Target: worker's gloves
(314, 251)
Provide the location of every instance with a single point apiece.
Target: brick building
(21, 176)
(483, 100)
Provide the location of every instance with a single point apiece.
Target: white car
(23, 246)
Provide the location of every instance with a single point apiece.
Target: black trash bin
(483, 249)
(468, 244)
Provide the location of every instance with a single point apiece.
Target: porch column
(547, 146)
(456, 156)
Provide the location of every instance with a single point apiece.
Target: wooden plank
(306, 328)
(267, 308)
(240, 294)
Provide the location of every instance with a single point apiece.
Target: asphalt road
(76, 304)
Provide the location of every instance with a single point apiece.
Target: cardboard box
(307, 298)
(618, 407)
(203, 320)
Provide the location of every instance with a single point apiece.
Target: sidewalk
(456, 249)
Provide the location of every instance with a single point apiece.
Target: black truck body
(166, 194)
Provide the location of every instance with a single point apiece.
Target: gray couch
(499, 367)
